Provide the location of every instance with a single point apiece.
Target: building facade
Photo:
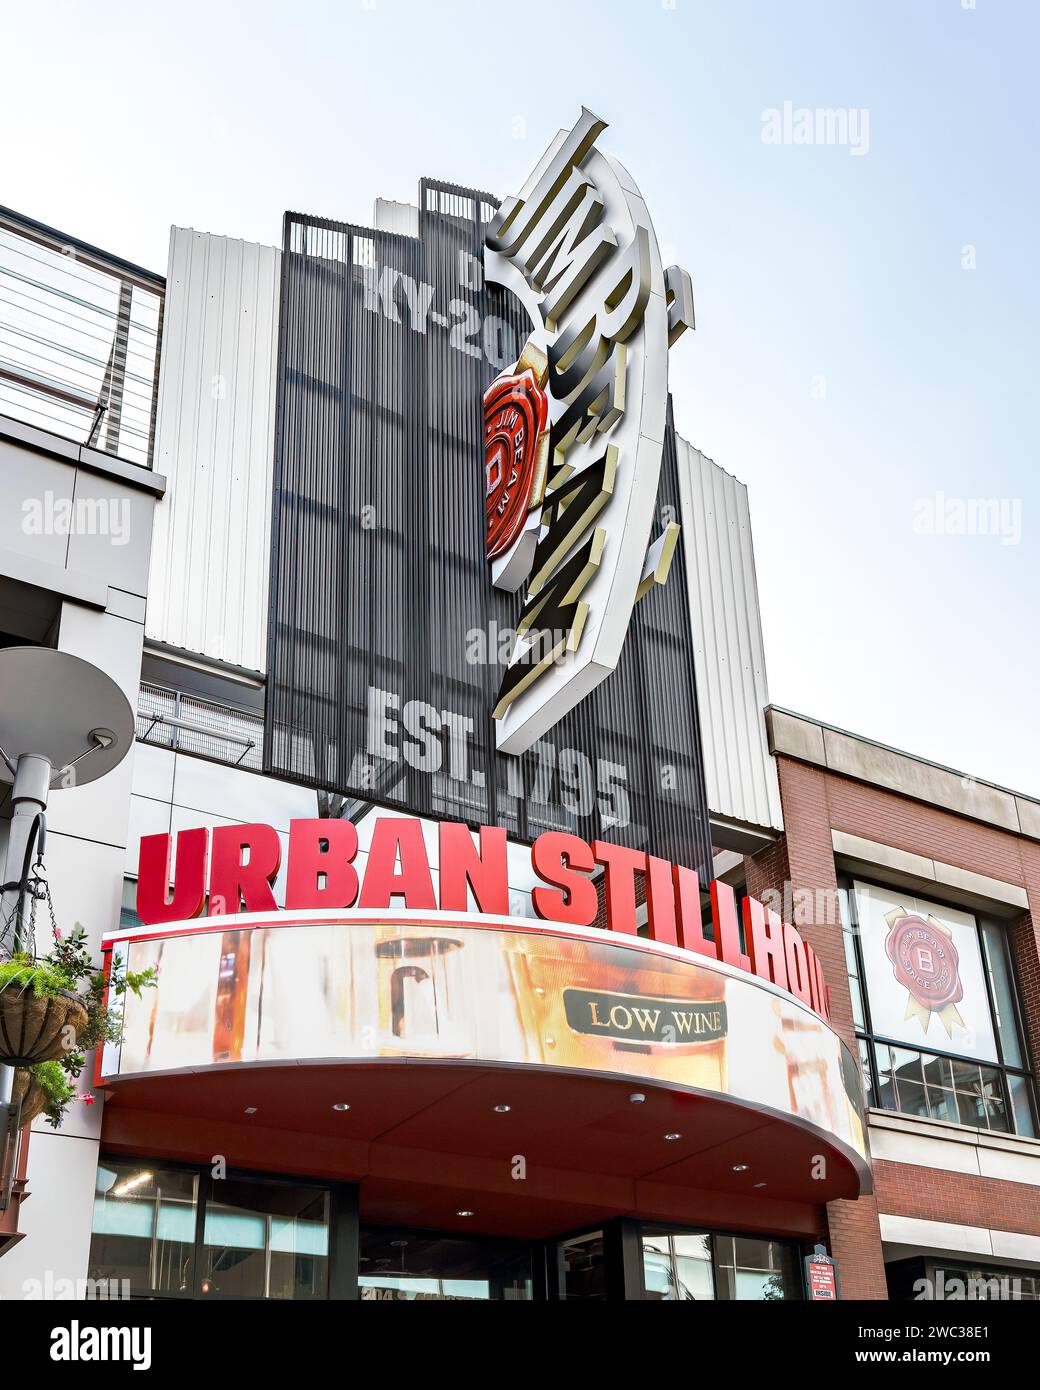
(951, 1112)
(484, 969)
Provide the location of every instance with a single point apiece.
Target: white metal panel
(402, 218)
(215, 444)
(727, 632)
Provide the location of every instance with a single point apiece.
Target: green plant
(56, 1086)
(68, 966)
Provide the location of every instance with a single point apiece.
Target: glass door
(407, 1265)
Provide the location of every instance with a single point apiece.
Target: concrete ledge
(946, 1237)
(132, 473)
(55, 446)
(728, 834)
(810, 741)
(71, 584)
(950, 1148)
(900, 861)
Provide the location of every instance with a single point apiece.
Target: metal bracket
(12, 1143)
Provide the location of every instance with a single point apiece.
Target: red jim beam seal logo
(516, 447)
(925, 962)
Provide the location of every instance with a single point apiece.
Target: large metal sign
(578, 249)
(391, 635)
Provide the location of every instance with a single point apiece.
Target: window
(702, 1265)
(583, 1267)
(936, 1010)
(144, 1227)
(677, 1267)
(265, 1240)
(128, 909)
(258, 1238)
(407, 1266)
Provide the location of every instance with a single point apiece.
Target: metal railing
(171, 719)
(79, 340)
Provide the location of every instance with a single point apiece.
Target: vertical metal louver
(379, 579)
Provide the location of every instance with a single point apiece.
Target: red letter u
(189, 882)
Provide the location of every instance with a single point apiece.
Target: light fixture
(341, 1105)
(759, 1184)
(740, 1167)
(673, 1135)
(250, 1110)
(463, 1213)
(637, 1097)
(130, 1184)
(502, 1109)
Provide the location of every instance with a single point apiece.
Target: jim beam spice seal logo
(925, 962)
(516, 449)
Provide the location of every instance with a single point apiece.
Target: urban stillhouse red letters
(243, 863)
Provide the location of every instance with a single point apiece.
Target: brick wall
(804, 859)
(905, 1189)
(815, 802)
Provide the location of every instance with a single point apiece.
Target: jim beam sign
(926, 962)
(575, 429)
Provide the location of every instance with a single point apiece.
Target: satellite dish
(57, 706)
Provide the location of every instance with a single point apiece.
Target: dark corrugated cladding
(379, 574)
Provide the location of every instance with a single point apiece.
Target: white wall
(215, 444)
(56, 1219)
(87, 825)
(174, 791)
(727, 632)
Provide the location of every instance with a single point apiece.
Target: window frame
(717, 1233)
(553, 1246)
(866, 1034)
(204, 1190)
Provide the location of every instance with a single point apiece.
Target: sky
(867, 306)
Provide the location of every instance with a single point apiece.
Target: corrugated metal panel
(380, 569)
(215, 442)
(727, 627)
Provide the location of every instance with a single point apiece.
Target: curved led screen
(433, 986)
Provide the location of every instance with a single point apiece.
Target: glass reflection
(407, 1266)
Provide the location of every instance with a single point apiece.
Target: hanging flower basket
(38, 1027)
(31, 1094)
(54, 1008)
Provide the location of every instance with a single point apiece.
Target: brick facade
(906, 1189)
(801, 867)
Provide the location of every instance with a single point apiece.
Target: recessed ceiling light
(740, 1167)
(341, 1105)
(673, 1135)
(637, 1097)
(250, 1110)
(463, 1213)
(759, 1184)
(502, 1109)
